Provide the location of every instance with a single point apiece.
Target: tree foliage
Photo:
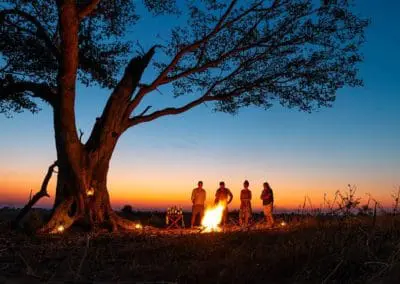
(236, 53)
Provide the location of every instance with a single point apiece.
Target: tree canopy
(236, 53)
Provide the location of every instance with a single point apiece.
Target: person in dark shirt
(225, 196)
(267, 197)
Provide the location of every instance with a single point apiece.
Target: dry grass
(310, 250)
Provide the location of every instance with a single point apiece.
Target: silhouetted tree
(233, 53)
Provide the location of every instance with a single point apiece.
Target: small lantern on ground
(60, 228)
(90, 192)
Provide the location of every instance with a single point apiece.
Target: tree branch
(173, 111)
(145, 110)
(88, 9)
(40, 30)
(163, 76)
(38, 90)
(115, 115)
(41, 193)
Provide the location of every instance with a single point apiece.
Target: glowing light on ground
(212, 218)
(90, 192)
(60, 229)
(283, 224)
(138, 226)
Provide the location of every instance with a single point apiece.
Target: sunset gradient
(157, 164)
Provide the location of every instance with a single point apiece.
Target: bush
(127, 209)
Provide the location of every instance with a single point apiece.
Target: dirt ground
(309, 251)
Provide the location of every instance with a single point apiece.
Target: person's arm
(250, 195)
(230, 196)
(262, 196)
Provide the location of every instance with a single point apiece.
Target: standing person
(225, 196)
(198, 199)
(267, 197)
(245, 205)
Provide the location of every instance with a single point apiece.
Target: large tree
(233, 53)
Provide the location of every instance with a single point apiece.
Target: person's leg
(246, 218)
(194, 214)
(225, 216)
(265, 209)
(271, 214)
(201, 214)
(268, 211)
(241, 217)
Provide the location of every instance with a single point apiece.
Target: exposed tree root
(60, 219)
(122, 223)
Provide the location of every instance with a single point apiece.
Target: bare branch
(145, 110)
(41, 193)
(80, 134)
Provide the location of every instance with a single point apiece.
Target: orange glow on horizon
(146, 193)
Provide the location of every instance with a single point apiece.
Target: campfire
(212, 218)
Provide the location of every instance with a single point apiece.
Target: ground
(308, 250)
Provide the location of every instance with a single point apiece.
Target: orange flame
(212, 218)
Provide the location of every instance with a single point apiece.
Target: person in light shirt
(267, 196)
(245, 205)
(198, 199)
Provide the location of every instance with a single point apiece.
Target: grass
(311, 249)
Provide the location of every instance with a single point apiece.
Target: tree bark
(81, 193)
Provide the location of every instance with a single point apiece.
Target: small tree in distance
(234, 53)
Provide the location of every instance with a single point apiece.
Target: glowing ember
(283, 223)
(90, 192)
(138, 226)
(212, 218)
(60, 229)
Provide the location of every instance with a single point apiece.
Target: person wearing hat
(198, 199)
(245, 205)
(224, 196)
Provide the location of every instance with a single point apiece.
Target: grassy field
(308, 250)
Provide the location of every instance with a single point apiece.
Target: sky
(157, 164)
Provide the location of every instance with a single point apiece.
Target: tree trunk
(81, 192)
(83, 197)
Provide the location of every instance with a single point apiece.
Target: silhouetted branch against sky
(236, 53)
